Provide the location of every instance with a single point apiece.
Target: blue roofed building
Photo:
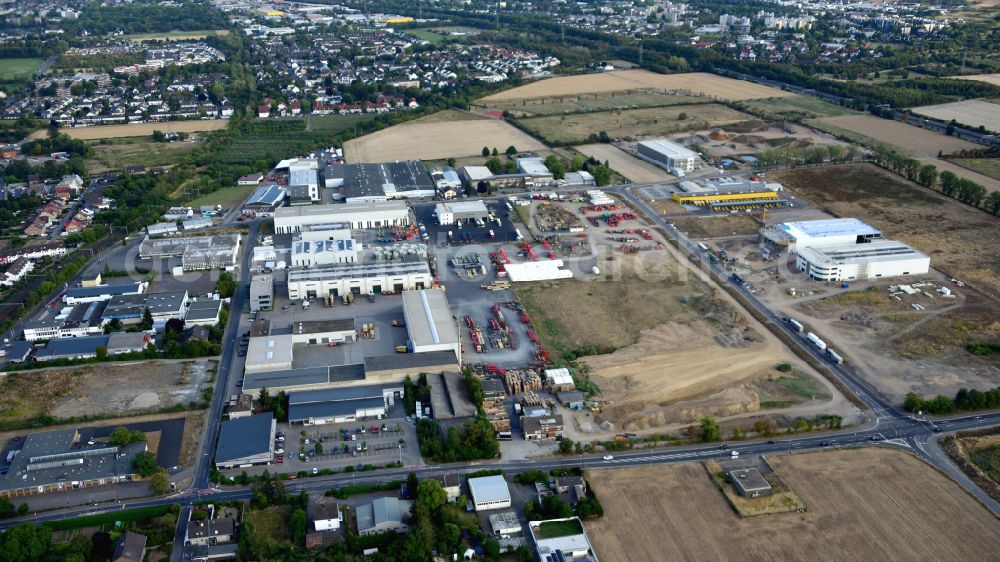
(266, 198)
(246, 441)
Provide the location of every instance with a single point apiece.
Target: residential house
(131, 547)
(210, 531)
(325, 514)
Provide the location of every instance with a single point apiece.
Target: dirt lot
(634, 169)
(988, 78)
(633, 123)
(862, 504)
(968, 112)
(673, 361)
(915, 140)
(623, 80)
(716, 226)
(138, 129)
(437, 138)
(106, 389)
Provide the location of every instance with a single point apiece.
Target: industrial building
(505, 523)
(310, 253)
(673, 157)
(162, 229)
(81, 319)
(396, 367)
(564, 548)
(719, 199)
(450, 399)
(308, 378)
(378, 214)
(383, 514)
(269, 353)
(537, 271)
(489, 492)
(448, 213)
(62, 459)
(77, 295)
(537, 428)
(534, 167)
(266, 199)
(474, 175)
(205, 312)
(795, 236)
(166, 305)
(381, 182)
(196, 252)
(872, 260)
(85, 347)
(342, 405)
(323, 332)
(337, 280)
(261, 292)
(246, 441)
(429, 322)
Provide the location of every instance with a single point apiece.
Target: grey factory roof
(169, 301)
(125, 306)
(244, 437)
(338, 394)
(301, 175)
(323, 508)
(204, 309)
(358, 271)
(305, 376)
(450, 396)
(410, 360)
(82, 314)
(57, 456)
(489, 489)
(86, 292)
(366, 180)
(428, 317)
(380, 511)
(749, 479)
(70, 347)
(302, 412)
(323, 326)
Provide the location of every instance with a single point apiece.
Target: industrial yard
(861, 502)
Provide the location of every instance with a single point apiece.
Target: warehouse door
(397, 287)
(356, 290)
(334, 293)
(377, 289)
(419, 285)
(311, 294)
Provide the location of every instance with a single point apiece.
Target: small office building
(261, 292)
(450, 212)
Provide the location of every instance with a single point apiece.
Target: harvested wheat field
(988, 78)
(436, 139)
(863, 504)
(622, 80)
(919, 142)
(972, 113)
(632, 168)
(138, 129)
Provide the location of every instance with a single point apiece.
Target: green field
(653, 121)
(118, 154)
(176, 35)
(593, 102)
(228, 197)
(426, 35)
(554, 529)
(15, 70)
(989, 167)
(273, 139)
(988, 459)
(794, 108)
(271, 523)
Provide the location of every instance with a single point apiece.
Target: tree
(494, 152)
(992, 203)
(121, 436)
(158, 136)
(226, 285)
(144, 464)
(492, 548)
(297, 524)
(147, 319)
(682, 116)
(555, 165)
(25, 543)
(554, 507)
(928, 175)
(411, 484)
(577, 163)
(566, 446)
(431, 495)
(913, 402)
(6, 509)
(511, 151)
(174, 325)
(159, 482)
(949, 183)
(710, 430)
(494, 164)
(264, 397)
(486, 151)
(601, 173)
(102, 353)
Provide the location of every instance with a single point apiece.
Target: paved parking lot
(503, 230)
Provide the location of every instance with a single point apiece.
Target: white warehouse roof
(559, 376)
(489, 489)
(829, 228)
(478, 173)
(672, 150)
(428, 318)
(880, 251)
(537, 271)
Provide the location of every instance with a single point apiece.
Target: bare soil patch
(139, 129)
(909, 138)
(634, 169)
(716, 226)
(624, 80)
(438, 138)
(988, 78)
(869, 503)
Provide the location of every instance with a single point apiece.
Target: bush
(783, 367)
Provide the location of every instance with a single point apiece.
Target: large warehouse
(537, 271)
(795, 236)
(269, 353)
(342, 405)
(489, 492)
(873, 260)
(663, 153)
(288, 220)
(307, 378)
(429, 322)
(246, 441)
(448, 213)
(380, 182)
(360, 279)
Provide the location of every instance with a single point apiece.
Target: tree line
(947, 182)
(964, 400)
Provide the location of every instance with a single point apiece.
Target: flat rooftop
(269, 349)
(343, 210)
(879, 251)
(410, 361)
(358, 271)
(829, 227)
(750, 479)
(317, 410)
(244, 437)
(668, 148)
(489, 489)
(386, 179)
(204, 309)
(304, 377)
(323, 326)
(428, 318)
(88, 292)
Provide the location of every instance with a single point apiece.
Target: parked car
(609, 457)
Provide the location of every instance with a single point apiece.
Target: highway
(888, 426)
